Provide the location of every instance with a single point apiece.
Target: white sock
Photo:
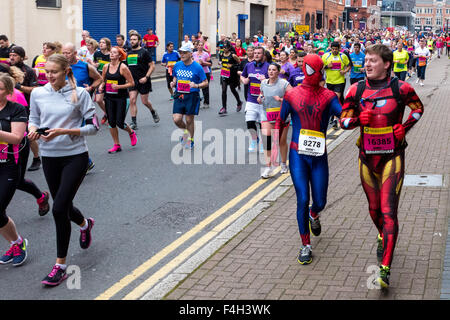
(19, 240)
(62, 266)
(86, 225)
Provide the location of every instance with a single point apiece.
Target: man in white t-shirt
(422, 54)
(187, 42)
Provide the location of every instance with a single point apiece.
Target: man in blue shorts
(188, 78)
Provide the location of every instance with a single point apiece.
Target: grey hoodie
(54, 109)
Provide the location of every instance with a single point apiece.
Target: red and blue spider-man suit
(310, 107)
(382, 149)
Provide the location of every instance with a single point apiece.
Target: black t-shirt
(138, 61)
(102, 59)
(4, 52)
(12, 112)
(29, 80)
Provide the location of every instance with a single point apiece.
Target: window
(417, 21)
(364, 4)
(428, 21)
(348, 3)
(48, 4)
(438, 21)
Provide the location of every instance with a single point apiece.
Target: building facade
(432, 15)
(362, 14)
(316, 14)
(31, 23)
(398, 13)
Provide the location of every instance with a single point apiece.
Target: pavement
(256, 258)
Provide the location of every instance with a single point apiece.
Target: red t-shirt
(448, 41)
(83, 43)
(150, 40)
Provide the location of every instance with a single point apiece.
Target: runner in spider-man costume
(310, 107)
(378, 111)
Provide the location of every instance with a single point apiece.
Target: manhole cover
(423, 180)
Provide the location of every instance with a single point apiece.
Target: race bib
(400, 65)
(311, 143)
(3, 151)
(378, 140)
(225, 72)
(132, 59)
(42, 76)
(171, 63)
(101, 64)
(357, 68)
(5, 61)
(183, 86)
(109, 88)
(150, 43)
(255, 89)
(422, 61)
(336, 66)
(272, 114)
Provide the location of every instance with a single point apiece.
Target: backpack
(394, 85)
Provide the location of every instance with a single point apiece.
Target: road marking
(140, 270)
(161, 273)
(136, 273)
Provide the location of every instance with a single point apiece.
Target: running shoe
(190, 144)
(35, 165)
(115, 148)
(223, 111)
(380, 249)
(55, 277)
(133, 125)
(8, 256)
(104, 120)
(284, 168)
(205, 106)
(20, 253)
(133, 138)
(252, 147)
(155, 116)
(85, 235)
(335, 124)
(305, 255)
(314, 224)
(383, 278)
(267, 173)
(91, 166)
(42, 202)
(239, 107)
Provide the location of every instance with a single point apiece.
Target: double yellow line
(147, 284)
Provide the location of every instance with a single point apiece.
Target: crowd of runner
(293, 79)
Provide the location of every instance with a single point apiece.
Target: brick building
(362, 14)
(432, 15)
(310, 13)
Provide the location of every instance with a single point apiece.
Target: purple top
(288, 69)
(254, 72)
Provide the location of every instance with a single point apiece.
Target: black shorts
(169, 79)
(145, 88)
(188, 104)
(338, 88)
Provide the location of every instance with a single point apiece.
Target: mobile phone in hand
(41, 131)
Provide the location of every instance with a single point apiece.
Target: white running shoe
(252, 147)
(267, 172)
(284, 168)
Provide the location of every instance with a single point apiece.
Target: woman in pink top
(439, 46)
(204, 59)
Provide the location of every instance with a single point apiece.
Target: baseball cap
(18, 50)
(185, 48)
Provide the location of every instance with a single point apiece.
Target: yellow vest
(430, 44)
(40, 66)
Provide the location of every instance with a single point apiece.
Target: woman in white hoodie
(57, 111)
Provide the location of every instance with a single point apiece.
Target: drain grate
(423, 180)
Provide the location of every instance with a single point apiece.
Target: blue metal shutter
(172, 22)
(102, 18)
(141, 15)
(191, 17)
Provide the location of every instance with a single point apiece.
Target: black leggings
(9, 176)
(64, 176)
(206, 90)
(116, 111)
(233, 87)
(25, 185)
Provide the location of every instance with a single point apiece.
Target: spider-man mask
(312, 68)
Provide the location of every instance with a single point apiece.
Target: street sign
(302, 28)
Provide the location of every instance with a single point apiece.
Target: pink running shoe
(133, 138)
(115, 148)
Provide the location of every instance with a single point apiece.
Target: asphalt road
(140, 198)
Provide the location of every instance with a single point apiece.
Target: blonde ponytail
(61, 60)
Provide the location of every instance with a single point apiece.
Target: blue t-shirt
(173, 56)
(193, 72)
(252, 72)
(81, 73)
(357, 62)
